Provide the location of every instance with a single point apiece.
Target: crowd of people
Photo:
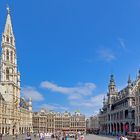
(57, 136)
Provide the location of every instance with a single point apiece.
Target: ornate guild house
(15, 112)
(120, 113)
(49, 121)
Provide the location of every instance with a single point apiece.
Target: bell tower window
(7, 39)
(11, 40)
(7, 55)
(7, 74)
(11, 56)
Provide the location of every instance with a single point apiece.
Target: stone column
(11, 130)
(107, 128)
(124, 129)
(110, 128)
(129, 127)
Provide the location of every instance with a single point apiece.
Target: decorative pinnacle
(129, 80)
(112, 81)
(139, 73)
(112, 78)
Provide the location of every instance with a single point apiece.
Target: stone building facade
(49, 121)
(117, 115)
(137, 102)
(94, 122)
(15, 112)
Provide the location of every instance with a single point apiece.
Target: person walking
(42, 136)
(76, 136)
(118, 137)
(67, 138)
(64, 136)
(125, 138)
(28, 137)
(82, 137)
(122, 138)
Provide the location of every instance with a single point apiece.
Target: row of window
(137, 109)
(138, 120)
(137, 100)
(8, 39)
(10, 56)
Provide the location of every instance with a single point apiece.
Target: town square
(69, 70)
(88, 137)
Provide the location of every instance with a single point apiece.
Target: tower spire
(8, 30)
(112, 85)
(9, 76)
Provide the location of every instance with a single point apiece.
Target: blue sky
(67, 49)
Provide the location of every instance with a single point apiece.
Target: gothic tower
(9, 75)
(112, 92)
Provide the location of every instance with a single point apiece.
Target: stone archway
(3, 130)
(6, 130)
(118, 128)
(114, 129)
(13, 131)
(132, 127)
(126, 114)
(121, 128)
(133, 114)
(109, 128)
(126, 127)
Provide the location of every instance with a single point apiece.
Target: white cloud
(28, 92)
(74, 97)
(92, 102)
(106, 54)
(55, 107)
(81, 96)
(81, 89)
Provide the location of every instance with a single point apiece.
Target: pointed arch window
(11, 40)
(7, 74)
(7, 39)
(11, 56)
(7, 55)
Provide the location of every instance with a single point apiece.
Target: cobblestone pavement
(97, 137)
(88, 137)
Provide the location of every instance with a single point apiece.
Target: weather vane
(8, 9)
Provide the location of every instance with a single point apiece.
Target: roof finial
(129, 82)
(129, 79)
